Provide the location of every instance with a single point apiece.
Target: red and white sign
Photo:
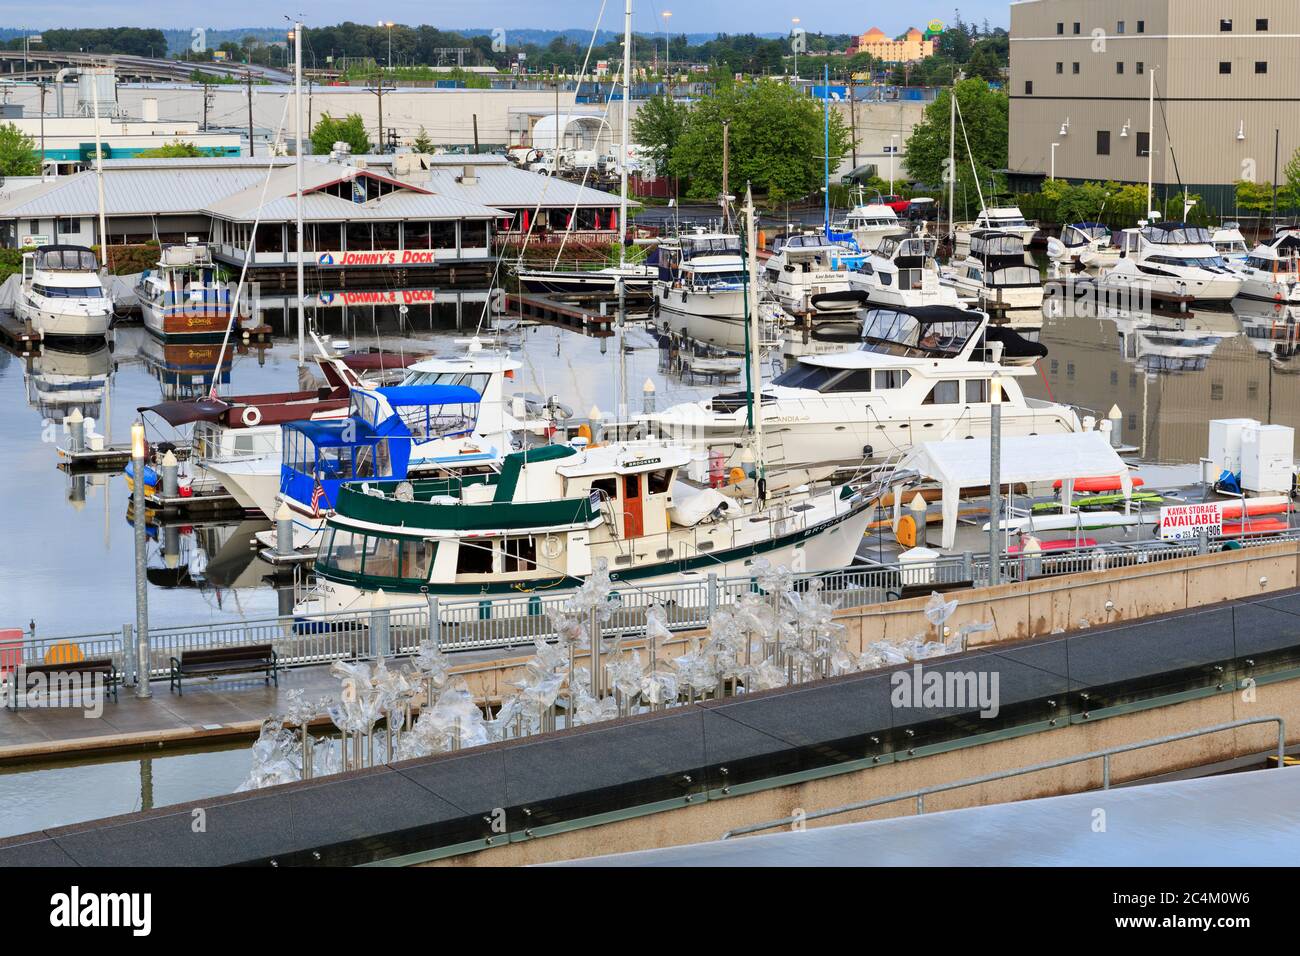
(378, 297)
(1181, 522)
(380, 257)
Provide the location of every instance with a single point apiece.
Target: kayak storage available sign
(1180, 522)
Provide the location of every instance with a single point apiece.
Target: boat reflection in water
(1273, 329)
(63, 377)
(214, 558)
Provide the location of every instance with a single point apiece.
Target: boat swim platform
(22, 340)
(578, 314)
(704, 768)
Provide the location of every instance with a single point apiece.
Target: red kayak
(1099, 484)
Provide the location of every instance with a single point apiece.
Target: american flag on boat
(317, 493)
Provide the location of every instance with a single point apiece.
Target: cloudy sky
(697, 16)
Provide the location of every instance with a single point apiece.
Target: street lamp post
(793, 31)
(141, 577)
(893, 151)
(389, 25)
(668, 56)
(995, 480)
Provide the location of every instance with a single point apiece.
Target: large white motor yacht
(999, 218)
(61, 293)
(1171, 259)
(999, 276)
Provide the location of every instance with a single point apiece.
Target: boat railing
(502, 621)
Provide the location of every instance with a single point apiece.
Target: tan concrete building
(1226, 74)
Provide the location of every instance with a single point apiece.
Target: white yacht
(999, 218)
(700, 291)
(61, 293)
(184, 296)
(1230, 244)
(922, 375)
(870, 223)
(903, 272)
(635, 277)
(1270, 272)
(1086, 246)
(1171, 259)
(809, 275)
(999, 276)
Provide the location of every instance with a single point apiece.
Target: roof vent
(468, 176)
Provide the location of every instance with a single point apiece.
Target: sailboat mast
(99, 168)
(1151, 137)
(755, 364)
(297, 157)
(826, 147)
(627, 108)
(952, 160)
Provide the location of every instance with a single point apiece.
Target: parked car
(921, 208)
(896, 203)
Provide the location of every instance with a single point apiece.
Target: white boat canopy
(1032, 459)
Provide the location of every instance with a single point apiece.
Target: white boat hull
(79, 323)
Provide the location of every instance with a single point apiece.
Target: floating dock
(578, 314)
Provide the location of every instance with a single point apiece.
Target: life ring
(551, 546)
(251, 416)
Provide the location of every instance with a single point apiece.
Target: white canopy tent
(1034, 459)
(576, 131)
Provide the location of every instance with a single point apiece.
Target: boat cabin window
(944, 393)
(658, 482)
(519, 555)
(806, 375)
(343, 551)
(1177, 235)
(68, 292)
(474, 556)
(887, 378)
(977, 391)
(67, 260)
(1187, 262)
(376, 556)
(859, 380)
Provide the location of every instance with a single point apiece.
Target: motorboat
(810, 276)
(556, 514)
(999, 276)
(1083, 246)
(184, 296)
(1230, 244)
(870, 223)
(1271, 273)
(921, 374)
(1006, 219)
(61, 294)
(700, 290)
(902, 272)
(635, 278)
(1171, 260)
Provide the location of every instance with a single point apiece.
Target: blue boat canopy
(335, 433)
(397, 395)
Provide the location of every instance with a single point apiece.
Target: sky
(697, 16)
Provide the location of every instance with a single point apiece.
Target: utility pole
(379, 92)
(207, 98)
(42, 85)
(248, 76)
(853, 119)
(475, 134)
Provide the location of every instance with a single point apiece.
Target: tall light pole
(1151, 134)
(389, 25)
(1052, 175)
(141, 575)
(893, 151)
(668, 56)
(995, 479)
(793, 31)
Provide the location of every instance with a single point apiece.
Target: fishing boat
(1271, 273)
(553, 512)
(60, 294)
(1004, 219)
(923, 374)
(999, 276)
(184, 297)
(1171, 259)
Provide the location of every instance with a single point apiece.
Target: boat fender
(252, 416)
(551, 547)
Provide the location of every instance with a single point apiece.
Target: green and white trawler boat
(553, 511)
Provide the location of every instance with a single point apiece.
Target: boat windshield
(897, 333)
(1082, 233)
(349, 553)
(67, 260)
(710, 246)
(1188, 262)
(68, 292)
(1177, 235)
(996, 244)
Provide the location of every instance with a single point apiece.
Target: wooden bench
(211, 662)
(101, 667)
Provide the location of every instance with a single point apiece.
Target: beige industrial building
(1226, 73)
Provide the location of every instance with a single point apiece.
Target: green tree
(421, 144)
(983, 116)
(775, 142)
(329, 131)
(176, 150)
(1255, 197)
(18, 156)
(657, 128)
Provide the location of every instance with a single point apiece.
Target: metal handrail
(1104, 755)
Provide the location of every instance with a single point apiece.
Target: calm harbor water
(68, 564)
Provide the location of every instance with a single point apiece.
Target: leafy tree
(983, 114)
(329, 131)
(18, 156)
(775, 142)
(176, 150)
(658, 126)
(421, 144)
(1255, 197)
